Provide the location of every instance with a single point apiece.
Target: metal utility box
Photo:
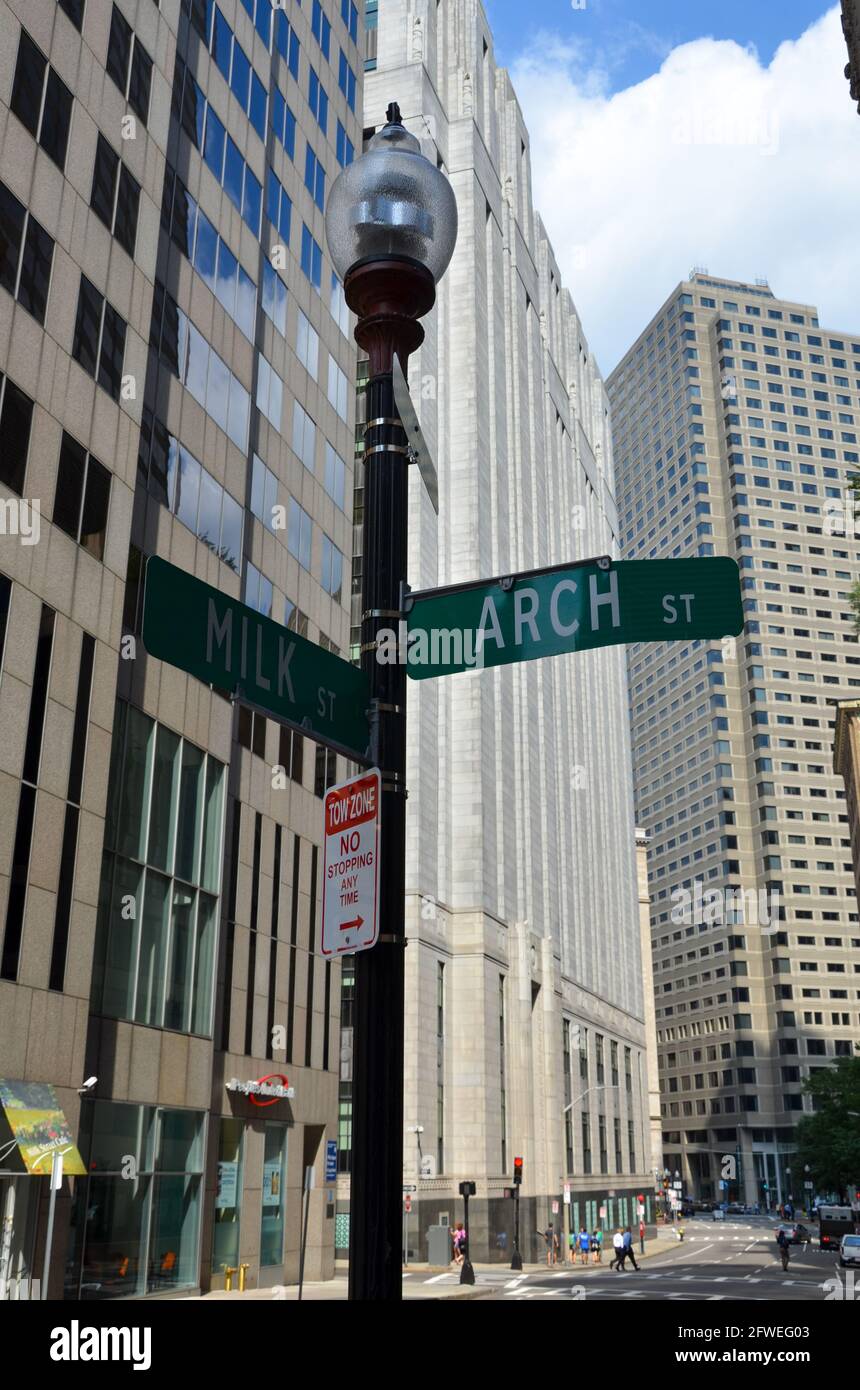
(438, 1245)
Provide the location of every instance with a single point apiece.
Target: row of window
(183, 349)
(186, 488)
(208, 252)
(220, 153)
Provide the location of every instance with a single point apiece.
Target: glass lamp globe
(391, 203)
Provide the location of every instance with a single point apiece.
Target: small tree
(829, 1140)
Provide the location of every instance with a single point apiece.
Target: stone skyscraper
(735, 423)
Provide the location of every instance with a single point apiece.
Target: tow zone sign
(350, 919)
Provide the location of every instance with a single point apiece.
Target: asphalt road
(717, 1261)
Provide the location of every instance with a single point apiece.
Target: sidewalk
(335, 1290)
(419, 1281)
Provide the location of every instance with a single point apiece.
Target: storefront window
(136, 1217)
(274, 1191)
(228, 1196)
(158, 906)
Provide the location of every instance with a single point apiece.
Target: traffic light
(518, 1171)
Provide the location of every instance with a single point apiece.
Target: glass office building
(176, 379)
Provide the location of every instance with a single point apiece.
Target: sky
(674, 134)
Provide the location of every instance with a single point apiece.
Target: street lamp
(391, 225)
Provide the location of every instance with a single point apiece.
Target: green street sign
(227, 644)
(570, 608)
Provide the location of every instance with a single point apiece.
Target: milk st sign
(227, 644)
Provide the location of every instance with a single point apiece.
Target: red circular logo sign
(272, 1100)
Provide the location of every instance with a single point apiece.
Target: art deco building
(526, 1018)
(735, 427)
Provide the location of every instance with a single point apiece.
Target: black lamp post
(391, 225)
(467, 1273)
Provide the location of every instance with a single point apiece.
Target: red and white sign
(350, 918)
(407, 1203)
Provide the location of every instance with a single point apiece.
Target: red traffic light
(640, 1198)
(518, 1170)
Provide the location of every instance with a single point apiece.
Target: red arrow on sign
(356, 922)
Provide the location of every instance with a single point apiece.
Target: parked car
(718, 1214)
(797, 1234)
(849, 1251)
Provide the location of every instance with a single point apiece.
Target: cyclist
(784, 1243)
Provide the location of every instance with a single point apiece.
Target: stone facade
(522, 912)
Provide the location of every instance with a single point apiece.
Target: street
(717, 1261)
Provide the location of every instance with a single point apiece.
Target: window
(332, 568)
(158, 969)
(115, 195)
(278, 207)
(318, 100)
(270, 392)
(314, 177)
(274, 1187)
(16, 417)
(186, 488)
(325, 770)
(346, 81)
(210, 255)
(26, 255)
(48, 121)
(186, 352)
(311, 258)
(235, 67)
(304, 436)
(349, 15)
(338, 388)
(75, 11)
(321, 28)
(338, 307)
(344, 147)
(299, 534)
(307, 345)
(129, 64)
(82, 497)
(335, 476)
(99, 341)
(206, 131)
(274, 297)
(283, 123)
(155, 1219)
(264, 492)
(287, 43)
(258, 594)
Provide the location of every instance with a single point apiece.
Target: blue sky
(630, 38)
(670, 135)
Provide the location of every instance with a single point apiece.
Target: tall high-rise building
(735, 427)
(176, 379)
(526, 1023)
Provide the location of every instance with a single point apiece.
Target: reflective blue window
(240, 77)
(234, 166)
(213, 151)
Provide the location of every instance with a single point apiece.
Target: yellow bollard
(242, 1276)
(228, 1277)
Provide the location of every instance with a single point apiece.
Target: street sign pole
(376, 1218)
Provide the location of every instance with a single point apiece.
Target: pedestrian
(555, 1247)
(782, 1240)
(548, 1236)
(571, 1242)
(584, 1245)
(680, 1233)
(596, 1246)
(627, 1243)
(459, 1240)
(618, 1246)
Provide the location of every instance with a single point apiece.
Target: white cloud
(715, 160)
